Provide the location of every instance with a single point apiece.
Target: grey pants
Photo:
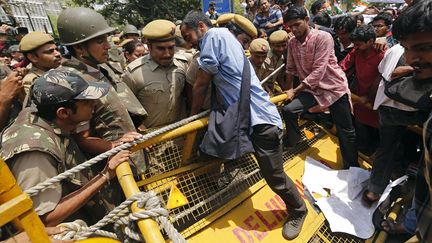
(267, 142)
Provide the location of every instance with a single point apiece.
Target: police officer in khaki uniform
(191, 76)
(259, 49)
(39, 48)
(241, 27)
(158, 78)
(89, 49)
(38, 146)
(182, 47)
(277, 56)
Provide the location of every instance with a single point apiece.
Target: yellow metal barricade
(196, 181)
(178, 166)
(18, 207)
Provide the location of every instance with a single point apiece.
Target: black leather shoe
(293, 225)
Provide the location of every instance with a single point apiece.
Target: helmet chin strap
(89, 57)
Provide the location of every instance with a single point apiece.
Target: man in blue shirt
(222, 60)
(270, 19)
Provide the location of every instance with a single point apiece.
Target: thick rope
(70, 229)
(121, 216)
(56, 179)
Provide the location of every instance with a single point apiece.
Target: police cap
(225, 19)
(278, 36)
(241, 22)
(34, 40)
(246, 25)
(159, 30)
(259, 45)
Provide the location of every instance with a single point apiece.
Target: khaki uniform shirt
(272, 63)
(117, 79)
(159, 89)
(188, 54)
(28, 174)
(191, 75)
(262, 71)
(31, 76)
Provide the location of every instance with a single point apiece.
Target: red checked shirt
(315, 63)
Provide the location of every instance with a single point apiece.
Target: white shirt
(386, 68)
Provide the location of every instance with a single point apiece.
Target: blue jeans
(410, 222)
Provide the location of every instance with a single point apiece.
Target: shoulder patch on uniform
(137, 63)
(181, 57)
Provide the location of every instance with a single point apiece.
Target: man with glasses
(382, 23)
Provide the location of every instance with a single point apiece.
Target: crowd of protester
(334, 69)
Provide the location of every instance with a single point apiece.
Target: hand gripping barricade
(144, 199)
(193, 178)
(78, 229)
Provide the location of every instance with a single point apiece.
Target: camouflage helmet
(78, 25)
(130, 29)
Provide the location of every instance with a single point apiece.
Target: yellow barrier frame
(148, 227)
(17, 206)
(130, 186)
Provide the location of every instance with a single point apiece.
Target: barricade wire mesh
(324, 234)
(203, 187)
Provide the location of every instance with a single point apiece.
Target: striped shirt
(261, 21)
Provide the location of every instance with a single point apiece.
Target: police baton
(272, 74)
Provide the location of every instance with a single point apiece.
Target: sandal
(367, 200)
(392, 227)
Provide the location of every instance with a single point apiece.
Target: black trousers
(267, 142)
(393, 124)
(341, 116)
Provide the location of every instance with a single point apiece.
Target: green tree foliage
(139, 12)
(237, 6)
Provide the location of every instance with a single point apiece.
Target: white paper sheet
(344, 209)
